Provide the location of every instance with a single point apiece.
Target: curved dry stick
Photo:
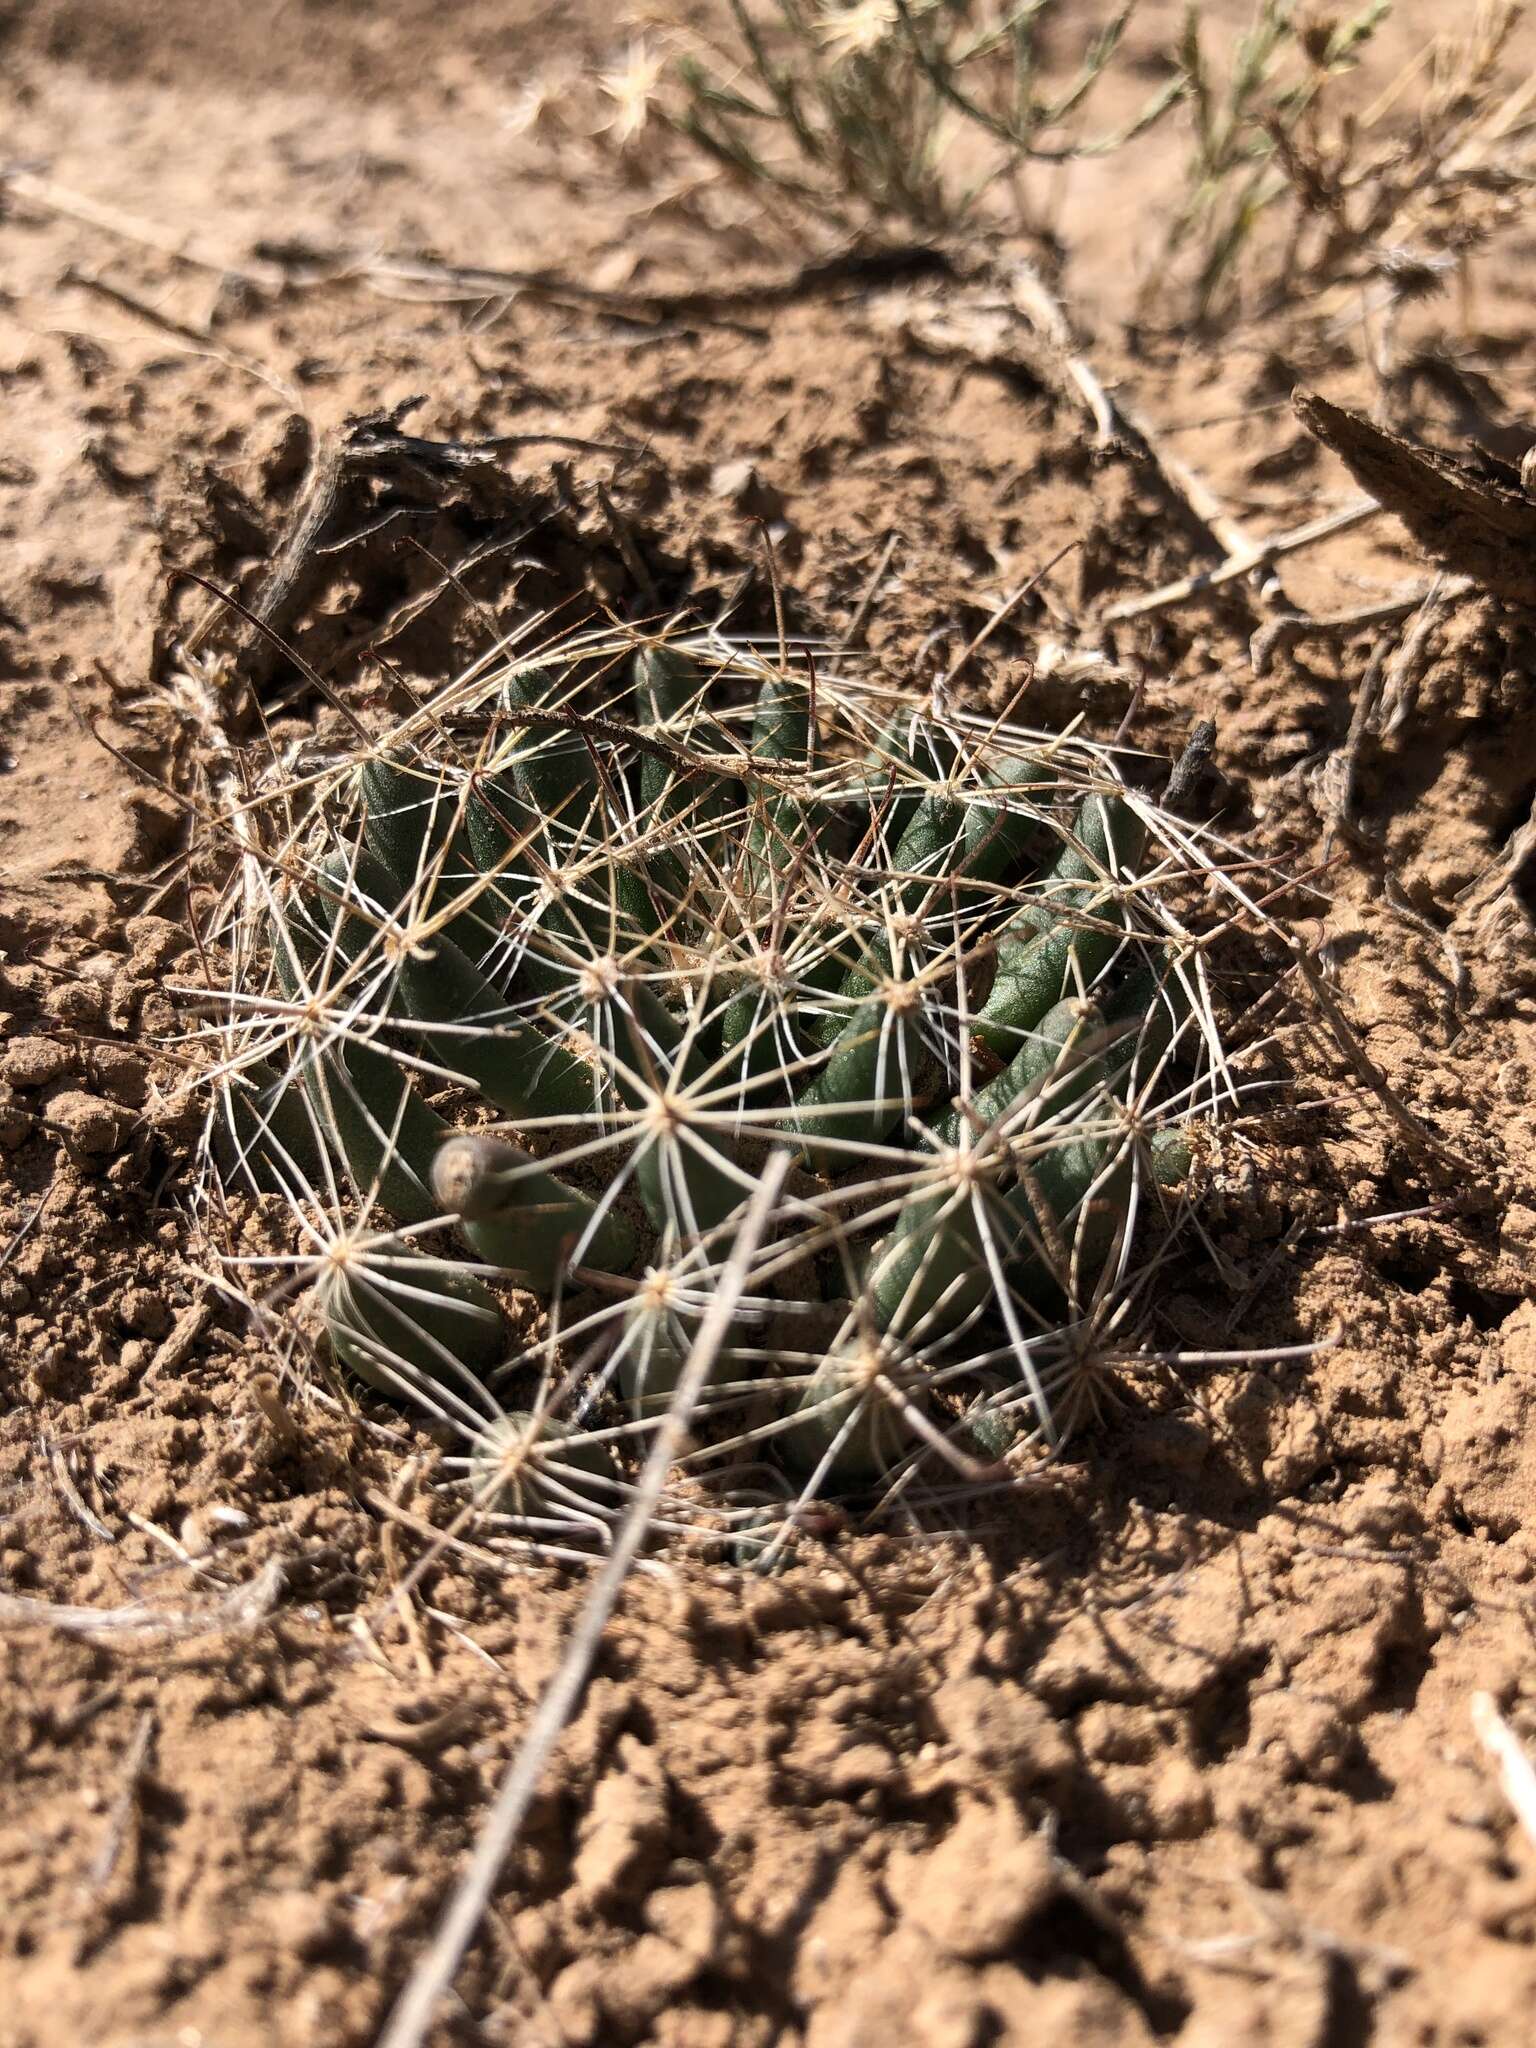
(416, 2007)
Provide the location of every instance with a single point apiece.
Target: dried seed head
(472, 1175)
(599, 980)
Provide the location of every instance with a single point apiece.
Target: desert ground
(1210, 1733)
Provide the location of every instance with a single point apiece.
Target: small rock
(1114, 1734)
(16, 1126)
(1173, 1443)
(33, 1062)
(848, 1924)
(78, 1005)
(1086, 2012)
(200, 1531)
(92, 1128)
(638, 1983)
(121, 1076)
(1178, 1802)
(740, 483)
(154, 943)
(1298, 1735)
(625, 1824)
(302, 1923)
(140, 1309)
(535, 1938)
(573, 2001)
(688, 1916)
(973, 1893)
(860, 1766)
(1003, 1730)
(907, 1994)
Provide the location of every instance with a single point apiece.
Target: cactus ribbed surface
(542, 978)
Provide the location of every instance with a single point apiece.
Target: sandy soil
(1180, 1749)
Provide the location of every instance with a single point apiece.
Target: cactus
(657, 928)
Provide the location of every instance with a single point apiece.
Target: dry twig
(1289, 631)
(416, 2007)
(1237, 566)
(855, 631)
(1517, 1778)
(105, 1860)
(243, 1608)
(39, 191)
(63, 1479)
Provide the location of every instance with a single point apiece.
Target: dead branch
(416, 2008)
(1476, 522)
(243, 1608)
(1237, 566)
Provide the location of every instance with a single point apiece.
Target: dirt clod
(92, 1128)
(973, 1894)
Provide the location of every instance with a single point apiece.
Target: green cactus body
(1172, 1156)
(681, 1177)
(933, 1270)
(385, 1134)
(930, 1274)
(948, 852)
(500, 828)
(1043, 1055)
(515, 1065)
(262, 1135)
(559, 788)
(556, 889)
(1084, 1206)
(412, 825)
(781, 732)
(927, 848)
(655, 1342)
(861, 1093)
(844, 1413)
(897, 774)
(509, 844)
(403, 813)
(1047, 950)
(997, 836)
(989, 1432)
(411, 1321)
(655, 1346)
(668, 684)
(528, 1465)
(381, 1132)
(553, 771)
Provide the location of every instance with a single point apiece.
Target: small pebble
(202, 1528)
(79, 1005)
(91, 1127)
(32, 1062)
(15, 1124)
(153, 943)
(142, 1310)
(121, 1076)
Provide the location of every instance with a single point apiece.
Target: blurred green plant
(855, 110)
(1251, 124)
